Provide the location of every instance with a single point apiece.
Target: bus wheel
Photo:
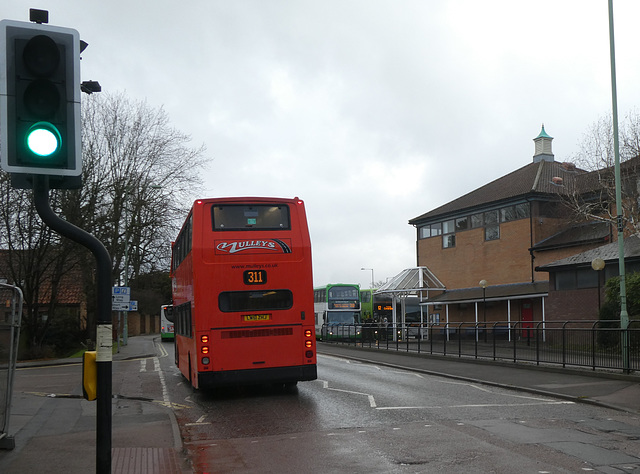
(290, 387)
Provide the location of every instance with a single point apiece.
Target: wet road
(365, 418)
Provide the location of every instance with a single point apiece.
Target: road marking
(156, 367)
(534, 401)
(372, 400)
(163, 351)
(143, 365)
(199, 422)
(479, 405)
(174, 406)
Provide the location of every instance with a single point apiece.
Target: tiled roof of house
(608, 253)
(535, 178)
(590, 232)
(70, 290)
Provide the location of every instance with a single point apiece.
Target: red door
(526, 316)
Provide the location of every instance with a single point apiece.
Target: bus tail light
(204, 349)
(204, 338)
(308, 343)
(205, 361)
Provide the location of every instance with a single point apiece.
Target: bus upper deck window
(228, 217)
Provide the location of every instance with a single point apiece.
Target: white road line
(156, 367)
(478, 405)
(535, 401)
(199, 422)
(143, 365)
(372, 401)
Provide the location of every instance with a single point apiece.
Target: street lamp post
(483, 283)
(624, 315)
(370, 269)
(598, 264)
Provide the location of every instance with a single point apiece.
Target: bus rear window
(229, 301)
(250, 217)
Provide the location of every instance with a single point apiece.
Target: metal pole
(104, 337)
(125, 328)
(484, 312)
(624, 316)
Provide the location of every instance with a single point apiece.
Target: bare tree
(592, 194)
(138, 178)
(36, 259)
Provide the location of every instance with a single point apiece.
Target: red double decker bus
(243, 293)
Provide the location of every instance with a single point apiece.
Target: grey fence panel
(10, 320)
(593, 344)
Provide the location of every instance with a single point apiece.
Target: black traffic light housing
(40, 103)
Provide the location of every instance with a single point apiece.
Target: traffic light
(40, 102)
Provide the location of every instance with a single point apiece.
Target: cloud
(372, 111)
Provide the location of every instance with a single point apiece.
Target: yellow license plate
(256, 317)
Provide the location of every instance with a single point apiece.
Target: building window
(522, 210)
(587, 278)
(507, 214)
(448, 241)
(490, 220)
(462, 224)
(448, 227)
(491, 225)
(576, 279)
(566, 280)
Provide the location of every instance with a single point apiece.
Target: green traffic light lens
(43, 139)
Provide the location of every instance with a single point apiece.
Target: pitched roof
(412, 281)
(580, 234)
(534, 178)
(511, 291)
(608, 253)
(70, 289)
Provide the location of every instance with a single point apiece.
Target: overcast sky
(371, 111)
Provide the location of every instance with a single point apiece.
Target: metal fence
(593, 344)
(10, 319)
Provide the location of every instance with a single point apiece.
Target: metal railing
(10, 320)
(593, 344)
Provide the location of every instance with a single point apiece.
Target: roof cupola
(543, 147)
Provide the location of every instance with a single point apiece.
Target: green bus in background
(337, 311)
(376, 313)
(366, 304)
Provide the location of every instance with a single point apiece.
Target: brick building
(487, 246)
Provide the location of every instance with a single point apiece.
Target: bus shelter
(411, 283)
(10, 320)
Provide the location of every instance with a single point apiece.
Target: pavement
(61, 429)
(146, 437)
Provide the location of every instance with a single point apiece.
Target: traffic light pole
(104, 338)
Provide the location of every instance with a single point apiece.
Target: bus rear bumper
(257, 376)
